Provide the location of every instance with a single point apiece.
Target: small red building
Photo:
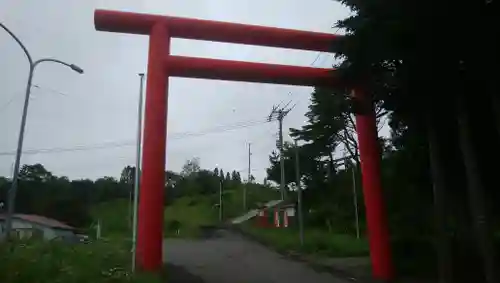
(278, 216)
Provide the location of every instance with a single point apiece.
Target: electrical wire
(320, 53)
(116, 144)
(48, 89)
(312, 64)
(13, 97)
(316, 59)
(6, 104)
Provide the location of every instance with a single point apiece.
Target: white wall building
(28, 225)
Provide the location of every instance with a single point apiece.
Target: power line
(13, 97)
(6, 104)
(320, 53)
(316, 59)
(323, 59)
(116, 144)
(222, 128)
(48, 89)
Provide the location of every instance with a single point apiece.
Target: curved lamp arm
(18, 42)
(11, 195)
(72, 66)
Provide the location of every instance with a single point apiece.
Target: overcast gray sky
(100, 106)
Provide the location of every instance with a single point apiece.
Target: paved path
(252, 213)
(230, 258)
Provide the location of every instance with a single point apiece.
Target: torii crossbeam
(162, 65)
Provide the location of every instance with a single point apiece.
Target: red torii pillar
(161, 66)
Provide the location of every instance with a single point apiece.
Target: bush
(56, 261)
(317, 242)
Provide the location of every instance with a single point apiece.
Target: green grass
(316, 242)
(114, 218)
(189, 215)
(54, 262)
(233, 199)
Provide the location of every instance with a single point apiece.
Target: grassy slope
(233, 199)
(194, 212)
(316, 242)
(114, 218)
(191, 214)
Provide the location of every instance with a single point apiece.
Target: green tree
(273, 171)
(191, 166)
(34, 172)
(128, 175)
(324, 123)
(173, 186)
(235, 177)
(413, 82)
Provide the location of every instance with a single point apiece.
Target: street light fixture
(11, 197)
(76, 68)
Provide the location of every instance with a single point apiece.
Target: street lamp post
(11, 197)
(137, 172)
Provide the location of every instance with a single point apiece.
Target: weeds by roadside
(316, 242)
(55, 261)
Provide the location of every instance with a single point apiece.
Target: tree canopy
(429, 68)
(72, 201)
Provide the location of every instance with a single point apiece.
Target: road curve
(230, 258)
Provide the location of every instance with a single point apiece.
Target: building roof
(41, 220)
(275, 204)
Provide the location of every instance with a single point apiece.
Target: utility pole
(220, 200)
(130, 207)
(249, 177)
(279, 113)
(98, 230)
(347, 162)
(299, 195)
(282, 160)
(355, 199)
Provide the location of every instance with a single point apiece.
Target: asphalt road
(230, 258)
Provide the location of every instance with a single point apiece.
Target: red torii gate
(162, 65)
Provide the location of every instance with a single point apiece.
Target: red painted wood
(136, 23)
(378, 232)
(161, 65)
(150, 224)
(201, 68)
